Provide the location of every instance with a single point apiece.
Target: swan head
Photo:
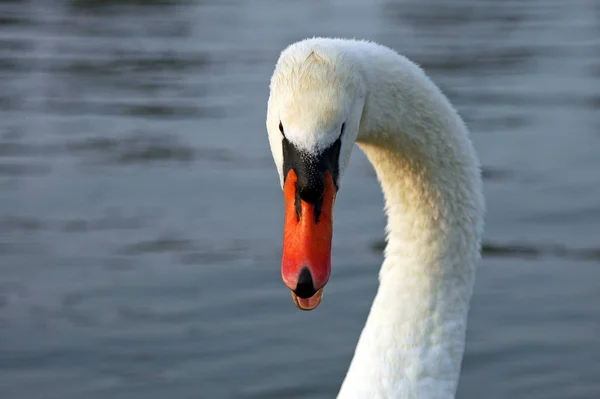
(313, 117)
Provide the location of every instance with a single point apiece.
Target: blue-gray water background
(141, 215)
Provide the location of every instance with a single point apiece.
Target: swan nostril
(305, 287)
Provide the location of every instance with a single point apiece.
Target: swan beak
(306, 261)
(308, 304)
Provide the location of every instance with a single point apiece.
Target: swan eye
(281, 129)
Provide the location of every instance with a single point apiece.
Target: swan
(325, 95)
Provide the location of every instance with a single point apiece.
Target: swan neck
(412, 344)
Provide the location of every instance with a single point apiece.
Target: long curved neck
(412, 344)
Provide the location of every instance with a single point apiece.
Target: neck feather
(413, 342)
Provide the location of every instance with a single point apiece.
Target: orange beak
(306, 261)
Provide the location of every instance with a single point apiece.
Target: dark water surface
(141, 214)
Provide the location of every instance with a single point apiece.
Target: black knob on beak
(311, 186)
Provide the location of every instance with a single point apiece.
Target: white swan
(325, 95)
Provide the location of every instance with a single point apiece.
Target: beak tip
(308, 304)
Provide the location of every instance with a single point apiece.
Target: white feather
(413, 342)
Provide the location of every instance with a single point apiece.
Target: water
(141, 215)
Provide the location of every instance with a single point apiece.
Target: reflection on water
(94, 5)
(141, 215)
